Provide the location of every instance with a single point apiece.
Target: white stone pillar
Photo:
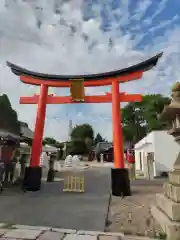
(102, 157)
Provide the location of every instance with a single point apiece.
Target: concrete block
(2, 225)
(79, 237)
(23, 234)
(3, 238)
(3, 231)
(96, 233)
(174, 177)
(91, 233)
(172, 229)
(62, 230)
(41, 228)
(114, 234)
(109, 238)
(172, 191)
(51, 236)
(138, 238)
(171, 208)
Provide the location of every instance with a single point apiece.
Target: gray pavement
(145, 182)
(24, 232)
(51, 207)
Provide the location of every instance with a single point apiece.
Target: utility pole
(70, 130)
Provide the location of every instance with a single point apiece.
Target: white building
(155, 154)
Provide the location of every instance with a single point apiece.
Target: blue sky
(168, 12)
(139, 29)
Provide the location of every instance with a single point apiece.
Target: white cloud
(161, 6)
(164, 24)
(141, 9)
(56, 49)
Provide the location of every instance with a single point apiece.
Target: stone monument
(68, 161)
(167, 208)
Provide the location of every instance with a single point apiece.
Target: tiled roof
(48, 148)
(8, 135)
(26, 132)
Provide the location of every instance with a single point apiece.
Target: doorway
(149, 165)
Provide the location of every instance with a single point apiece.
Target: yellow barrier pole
(71, 183)
(80, 184)
(75, 183)
(83, 184)
(65, 185)
(81, 181)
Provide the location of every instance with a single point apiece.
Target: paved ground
(22, 232)
(52, 207)
(131, 215)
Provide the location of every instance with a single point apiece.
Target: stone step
(24, 232)
(174, 177)
(172, 191)
(137, 238)
(172, 229)
(171, 208)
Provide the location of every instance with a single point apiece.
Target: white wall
(165, 151)
(144, 145)
(148, 139)
(137, 160)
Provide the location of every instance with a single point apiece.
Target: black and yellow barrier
(74, 184)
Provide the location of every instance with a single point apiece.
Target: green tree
(152, 106)
(82, 132)
(132, 122)
(8, 117)
(98, 139)
(140, 118)
(78, 146)
(49, 141)
(53, 141)
(59, 145)
(82, 137)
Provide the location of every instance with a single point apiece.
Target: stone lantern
(167, 209)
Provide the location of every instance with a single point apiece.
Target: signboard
(77, 90)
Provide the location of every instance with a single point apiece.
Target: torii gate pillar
(120, 175)
(117, 129)
(34, 172)
(39, 127)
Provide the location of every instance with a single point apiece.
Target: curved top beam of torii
(100, 79)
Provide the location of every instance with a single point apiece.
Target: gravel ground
(131, 215)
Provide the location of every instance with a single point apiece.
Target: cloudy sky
(86, 37)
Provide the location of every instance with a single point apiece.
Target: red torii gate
(120, 179)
